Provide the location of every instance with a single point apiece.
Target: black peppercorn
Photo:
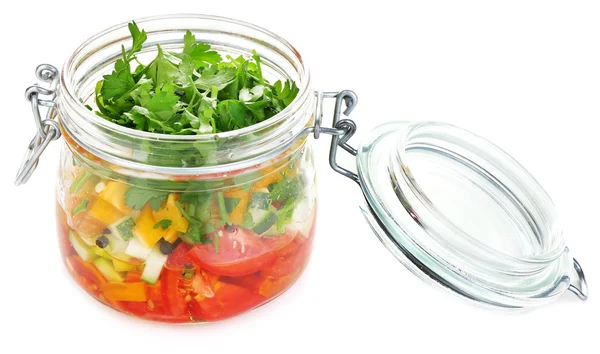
(102, 241)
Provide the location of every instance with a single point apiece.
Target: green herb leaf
(201, 202)
(233, 115)
(188, 93)
(139, 37)
(164, 224)
(286, 91)
(81, 207)
(163, 103)
(200, 53)
(136, 198)
(213, 77)
(118, 83)
(162, 70)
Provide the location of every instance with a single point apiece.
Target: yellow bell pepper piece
(171, 235)
(144, 228)
(170, 212)
(237, 215)
(270, 175)
(114, 193)
(104, 212)
(124, 291)
(121, 266)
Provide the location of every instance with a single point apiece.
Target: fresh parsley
(164, 224)
(193, 91)
(137, 197)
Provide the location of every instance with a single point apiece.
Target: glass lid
(459, 211)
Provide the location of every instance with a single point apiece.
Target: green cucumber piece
(257, 214)
(108, 270)
(248, 221)
(81, 248)
(264, 219)
(123, 228)
(154, 265)
(261, 199)
(137, 250)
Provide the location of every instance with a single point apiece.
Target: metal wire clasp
(47, 129)
(342, 129)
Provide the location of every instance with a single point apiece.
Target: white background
(525, 74)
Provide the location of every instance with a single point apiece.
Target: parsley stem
(223, 209)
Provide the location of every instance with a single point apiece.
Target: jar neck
(136, 151)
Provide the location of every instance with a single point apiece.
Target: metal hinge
(47, 129)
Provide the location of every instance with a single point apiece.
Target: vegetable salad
(184, 249)
(187, 256)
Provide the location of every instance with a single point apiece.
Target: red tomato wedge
(178, 259)
(277, 243)
(290, 258)
(142, 310)
(240, 252)
(251, 282)
(229, 300)
(173, 297)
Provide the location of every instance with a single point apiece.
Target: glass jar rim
(281, 122)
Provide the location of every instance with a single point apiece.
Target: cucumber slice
(81, 248)
(257, 214)
(305, 226)
(137, 250)
(154, 265)
(106, 268)
(263, 219)
(272, 232)
(261, 199)
(123, 228)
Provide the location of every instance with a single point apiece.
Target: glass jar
(201, 228)
(181, 228)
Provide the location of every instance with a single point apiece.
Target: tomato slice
(173, 297)
(178, 259)
(229, 300)
(273, 287)
(240, 252)
(277, 243)
(142, 310)
(251, 282)
(290, 258)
